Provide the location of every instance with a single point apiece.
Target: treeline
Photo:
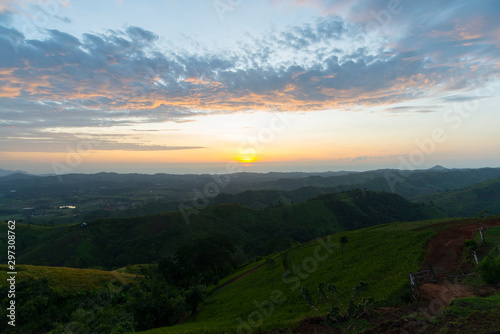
(166, 292)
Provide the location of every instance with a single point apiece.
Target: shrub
(471, 245)
(489, 270)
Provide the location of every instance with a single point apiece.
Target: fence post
(481, 230)
(414, 287)
(475, 256)
(432, 271)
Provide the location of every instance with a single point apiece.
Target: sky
(170, 86)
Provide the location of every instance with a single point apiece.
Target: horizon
(236, 168)
(272, 85)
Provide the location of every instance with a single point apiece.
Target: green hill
(117, 242)
(37, 199)
(266, 299)
(405, 183)
(260, 297)
(468, 202)
(68, 280)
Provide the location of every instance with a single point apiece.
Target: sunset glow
(291, 85)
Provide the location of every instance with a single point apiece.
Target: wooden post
(414, 287)
(481, 230)
(432, 271)
(475, 256)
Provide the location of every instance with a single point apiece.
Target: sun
(246, 158)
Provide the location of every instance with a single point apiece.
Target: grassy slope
(70, 279)
(468, 202)
(469, 315)
(112, 243)
(381, 256)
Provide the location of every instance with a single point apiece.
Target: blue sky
(174, 86)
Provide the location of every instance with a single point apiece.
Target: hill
(406, 184)
(37, 199)
(468, 202)
(117, 242)
(368, 275)
(381, 256)
(6, 172)
(69, 280)
(403, 182)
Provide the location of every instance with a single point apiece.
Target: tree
(343, 240)
(204, 261)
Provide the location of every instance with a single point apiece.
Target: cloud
(413, 109)
(63, 19)
(123, 70)
(124, 77)
(16, 140)
(458, 98)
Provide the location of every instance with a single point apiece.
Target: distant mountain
(5, 172)
(117, 242)
(438, 168)
(467, 202)
(106, 195)
(405, 183)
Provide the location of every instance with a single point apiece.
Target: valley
(258, 260)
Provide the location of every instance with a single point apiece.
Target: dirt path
(445, 250)
(445, 291)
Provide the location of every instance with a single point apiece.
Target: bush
(471, 245)
(489, 270)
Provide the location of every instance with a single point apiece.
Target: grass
(464, 307)
(240, 271)
(265, 299)
(411, 226)
(382, 256)
(492, 242)
(68, 280)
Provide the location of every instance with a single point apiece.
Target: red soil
(445, 250)
(445, 291)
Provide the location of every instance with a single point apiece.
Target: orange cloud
(471, 30)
